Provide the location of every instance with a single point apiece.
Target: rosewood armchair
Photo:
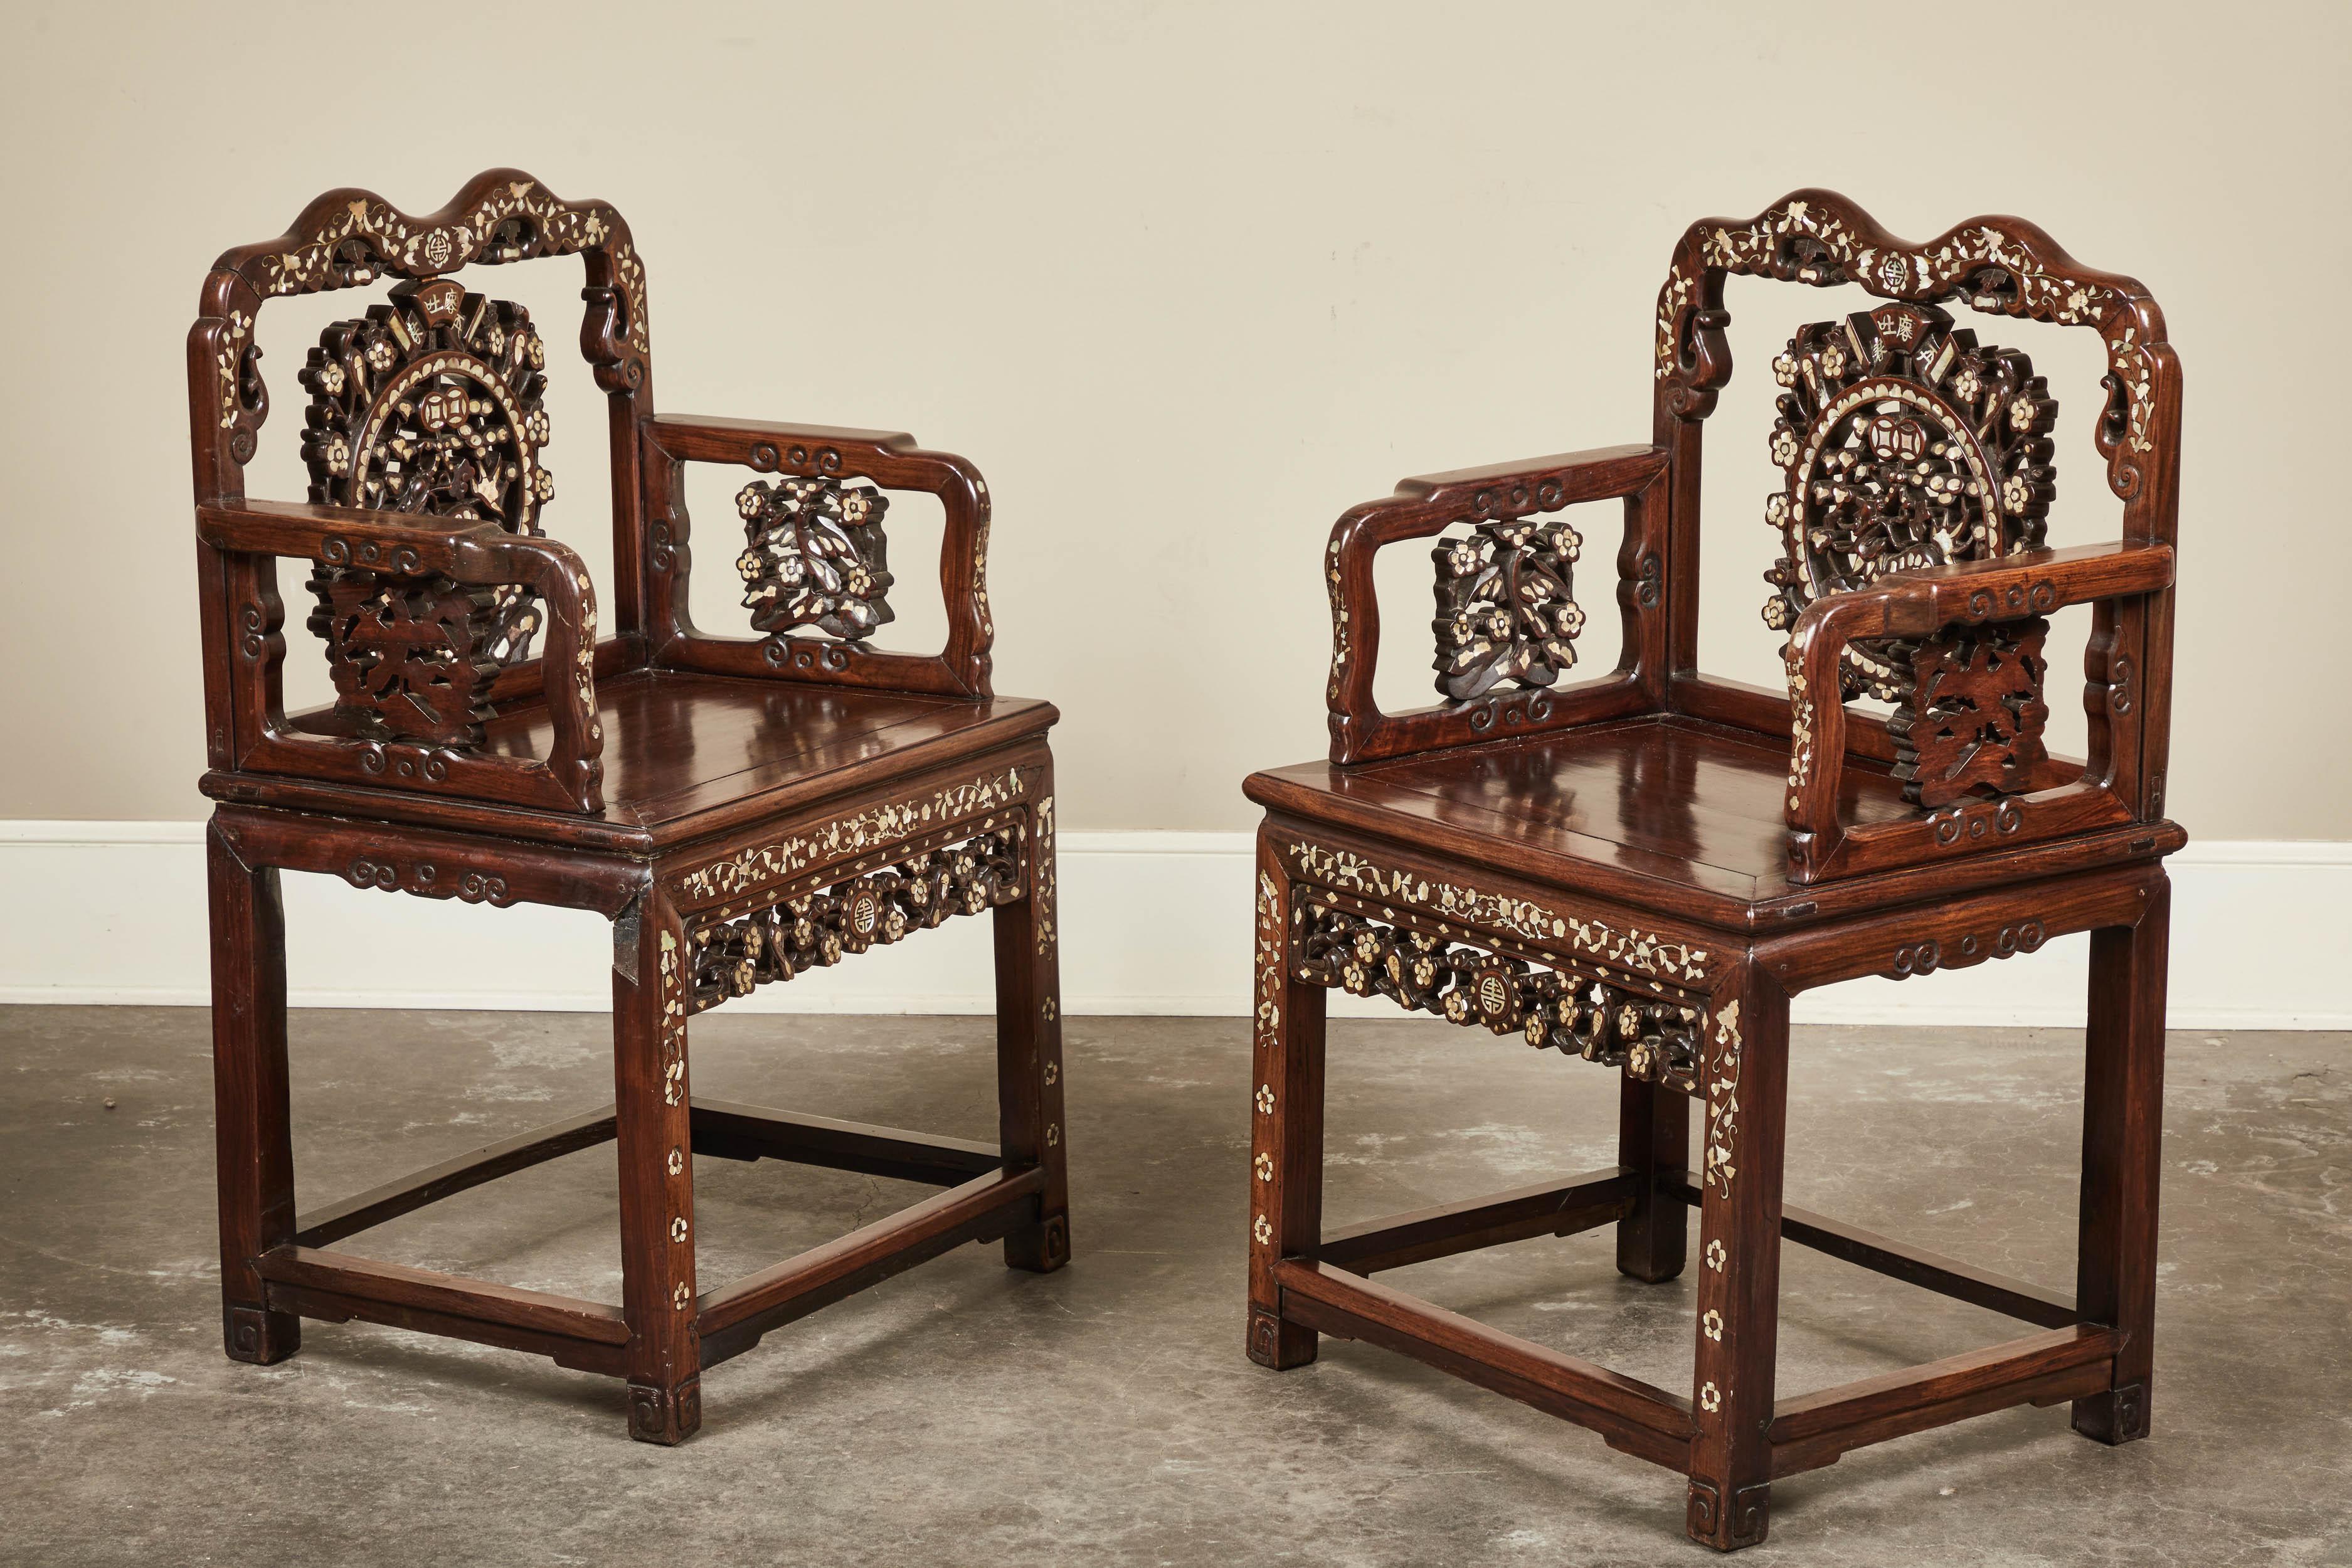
(1642, 868)
(742, 808)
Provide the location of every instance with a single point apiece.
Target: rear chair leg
(1746, 1080)
(1654, 1142)
(252, 1117)
(1029, 1051)
(653, 1124)
(1287, 1121)
(2123, 1131)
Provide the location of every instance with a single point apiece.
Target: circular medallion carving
(432, 404)
(1903, 444)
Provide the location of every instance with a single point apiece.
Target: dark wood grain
(1652, 853)
(363, 1211)
(492, 742)
(1636, 1417)
(1548, 1208)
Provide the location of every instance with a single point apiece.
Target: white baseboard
(108, 913)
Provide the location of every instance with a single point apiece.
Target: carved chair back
(1918, 470)
(430, 580)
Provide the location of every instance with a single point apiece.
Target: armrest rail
(481, 555)
(1920, 603)
(1427, 505)
(892, 460)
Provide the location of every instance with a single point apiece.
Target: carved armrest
(483, 555)
(892, 461)
(1488, 497)
(1920, 605)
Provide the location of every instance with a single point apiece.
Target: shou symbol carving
(1505, 610)
(431, 406)
(815, 556)
(1975, 717)
(1903, 444)
(1653, 1040)
(815, 930)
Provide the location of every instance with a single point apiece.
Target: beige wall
(1185, 281)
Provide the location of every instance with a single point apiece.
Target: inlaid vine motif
(1504, 605)
(816, 929)
(1269, 964)
(1722, 1106)
(814, 556)
(1643, 953)
(673, 984)
(1048, 876)
(429, 405)
(1654, 1040)
(1986, 266)
(1975, 718)
(1903, 445)
(873, 828)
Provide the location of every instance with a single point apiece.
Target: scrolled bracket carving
(1926, 956)
(732, 957)
(427, 880)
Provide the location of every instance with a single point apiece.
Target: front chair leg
(251, 1114)
(1029, 1051)
(1745, 1077)
(1285, 1183)
(651, 982)
(2123, 1133)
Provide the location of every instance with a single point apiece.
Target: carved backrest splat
(814, 555)
(1903, 445)
(431, 405)
(1505, 605)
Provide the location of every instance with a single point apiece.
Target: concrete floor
(965, 1413)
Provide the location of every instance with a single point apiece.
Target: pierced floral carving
(1504, 605)
(411, 656)
(430, 405)
(815, 556)
(1975, 716)
(1903, 444)
(818, 929)
(1653, 1040)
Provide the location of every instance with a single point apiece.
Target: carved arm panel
(1507, 617)
(408, 611)
(814, 556)
(1970, 727)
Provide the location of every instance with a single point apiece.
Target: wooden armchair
(1643, 867)
(742, 808)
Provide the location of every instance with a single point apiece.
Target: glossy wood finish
(676, 782)
(1642, 868)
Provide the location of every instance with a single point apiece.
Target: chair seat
(1664, 812)
(687, 756)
